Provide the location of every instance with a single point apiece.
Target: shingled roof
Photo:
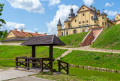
(43, 41)
(23, 34)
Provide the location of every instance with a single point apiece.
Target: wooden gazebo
(48, 40)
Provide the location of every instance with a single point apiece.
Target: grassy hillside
(11, 52)
(95, 59)
(109, 38)
(73, 40)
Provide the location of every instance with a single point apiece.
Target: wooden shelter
(48, 40)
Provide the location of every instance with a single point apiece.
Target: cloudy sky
(42, 15)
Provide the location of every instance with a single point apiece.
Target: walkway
(18, 75)
(88, 48)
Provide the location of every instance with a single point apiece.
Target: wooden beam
(33, 51)
(33, 55)
(51, 57)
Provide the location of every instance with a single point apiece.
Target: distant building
(85, 19)
(15, 37)
(116, 20)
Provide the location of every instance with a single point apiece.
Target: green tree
(4, 34)
(1, 20)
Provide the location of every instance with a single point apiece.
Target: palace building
(85, 19)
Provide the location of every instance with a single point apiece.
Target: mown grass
(95, 59)
(77, 74)
(109, 38)
(11, 52)
(74, 39)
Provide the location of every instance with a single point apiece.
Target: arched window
(66, 33)
(74, 31)
(83, 14)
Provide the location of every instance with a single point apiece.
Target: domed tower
(66, 23)
(95, 18)
(59, 27)
(103, 19)
(71, 15)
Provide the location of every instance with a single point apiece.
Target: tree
(1, 20)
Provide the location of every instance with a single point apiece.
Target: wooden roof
(23, 34)
(43, 41)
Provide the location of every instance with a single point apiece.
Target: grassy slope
(74, 39)
(95, 59)
(10, 52)
(109, 38)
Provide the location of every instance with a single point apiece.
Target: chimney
(91, 7)
(36, 32)
(15, 29)
(45, 33)
(98, 11)
(94, 8)
(21, 30)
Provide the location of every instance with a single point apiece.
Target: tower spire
(59, 23)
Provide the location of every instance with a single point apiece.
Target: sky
(42, 15)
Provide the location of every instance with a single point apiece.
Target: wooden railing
(63, 66)
(42, 63)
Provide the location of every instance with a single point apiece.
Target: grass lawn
(109, 38)
(95, 59)
(74, 39)
(11, 52)
(77, 74)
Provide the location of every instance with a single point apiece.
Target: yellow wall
(10, 35)
(29, 35)
(118, 22)
(117, 17)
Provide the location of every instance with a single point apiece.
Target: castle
(85, 19)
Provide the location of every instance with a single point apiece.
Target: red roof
(118, 14)
(23, 34)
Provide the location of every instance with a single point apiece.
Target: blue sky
(42, 15)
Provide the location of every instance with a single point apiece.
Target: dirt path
(88, 48)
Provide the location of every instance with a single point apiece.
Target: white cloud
(53, 2)
(109, 5)
(29, 5)
(88, 2)
(12, 25)
(36, 29)
(62, 13)
(111, 13)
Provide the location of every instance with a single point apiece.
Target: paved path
(10, 74)
(88, 48)
(29, 78)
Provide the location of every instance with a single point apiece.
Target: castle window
(87, 21)
(62, 33)
(83, 21)
(83, 30)
(75, 20)
(86, 24)
(94, 21)
(102, 23)
(66, 33)
(74, 31)
(105, 23)
(79, 25)
(79, 22)
(102, 17)
(83, 14)
(91, 17)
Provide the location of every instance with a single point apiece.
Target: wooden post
(16, 63)
(58, 66)
(51, 57)
(67, 68)
(33, 55)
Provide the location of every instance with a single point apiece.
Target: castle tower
(71, 15)
(59, 27)
(95, 18)
(103, 19)
(66, 23)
